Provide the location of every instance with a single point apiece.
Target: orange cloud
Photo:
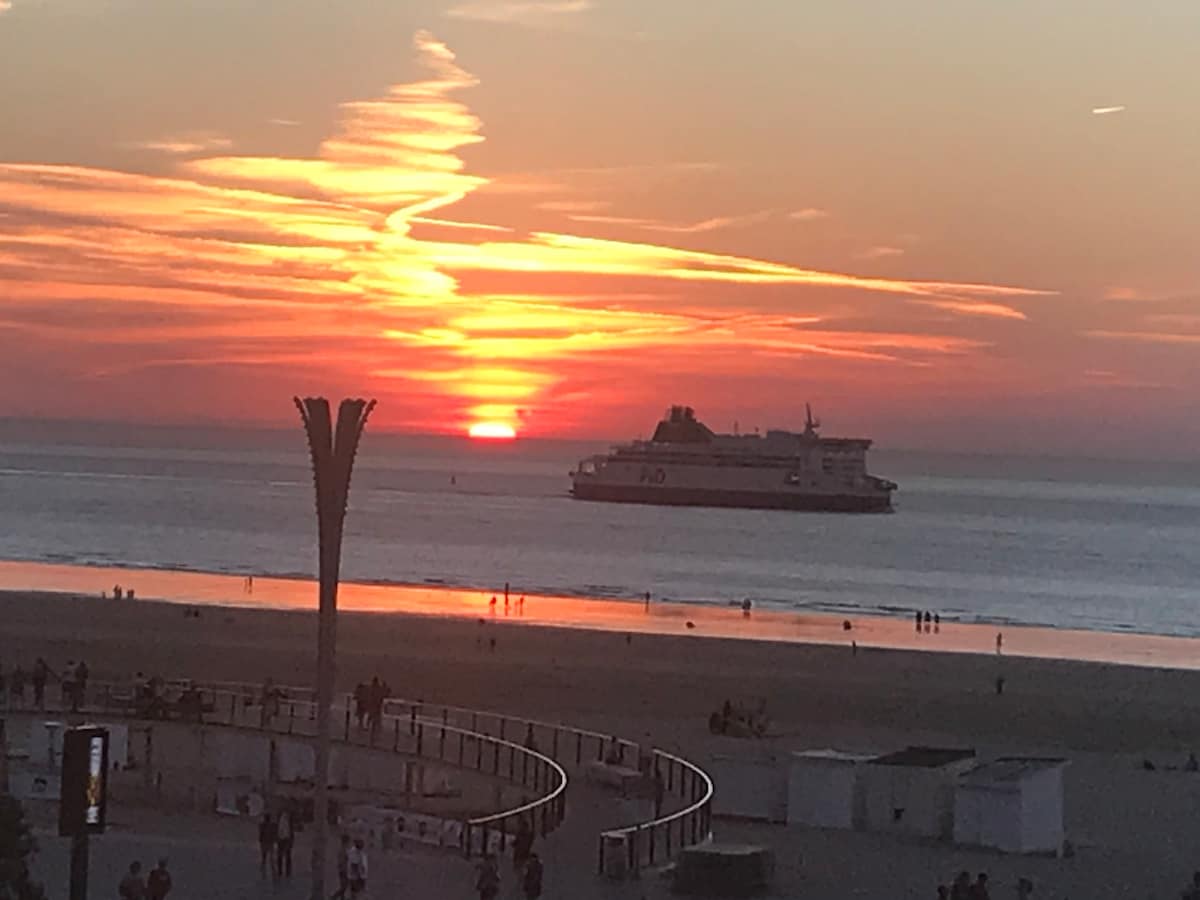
(334, 266)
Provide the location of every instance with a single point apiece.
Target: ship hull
(662, 495)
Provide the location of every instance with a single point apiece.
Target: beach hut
(751, 787)
(1014, 804)
(912, 791)
(824, 789)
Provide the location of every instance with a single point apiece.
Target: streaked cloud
(975, 308)
(193, 143)
(881, 252)
(284, 123)
(1107, 110)
(245, 260)
(1146, 337)
(808, 214)
(574, 206)
(535, 13)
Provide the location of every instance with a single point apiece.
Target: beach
(1105, 718)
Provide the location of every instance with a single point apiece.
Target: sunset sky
(966, 225)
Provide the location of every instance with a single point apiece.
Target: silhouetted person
(999, 685)
(647, 601)
(132, 886)
(40, 672)
(918, 615)
(746, 607)
(531, 884)
(492, 604)
(80, 686)
(343, 868)
(961, 887)
(356, 868)
(267, 835)
(522, 844)
(158, 883)
(16, 687)
(285, 837)
(117, 592)
(937, 623)
(360, 703)
(1192, 764)
(928, 621)
(979, 890)
(487, 878)
(999, 642)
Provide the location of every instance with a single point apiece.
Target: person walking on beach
(343, 867)
(999, 642)
(531, 884)
(267, 834)
(487, 878)
(158, 884)
(16, 687)
(132, 886)
(918, 614)
(40, 673)
(284, 838)
(522, 845)
(356, 868)
(492, 604)
(961, 888)
(79, 694)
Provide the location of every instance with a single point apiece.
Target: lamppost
(333, 448)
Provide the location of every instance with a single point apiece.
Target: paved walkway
(216, 858)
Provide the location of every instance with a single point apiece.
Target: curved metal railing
(626, 849)
(240, 706)
(646, 844)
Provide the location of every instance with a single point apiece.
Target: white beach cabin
(825, 791)
(751, 787)
(912, 791)
(1014, 804)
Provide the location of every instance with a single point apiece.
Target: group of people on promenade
(155, 886)
(963, 888)
(72, 680)
(276, 838)
(527, 867)
(368, 702)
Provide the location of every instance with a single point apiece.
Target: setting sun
(496, 431)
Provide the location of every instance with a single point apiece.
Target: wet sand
(660, 617)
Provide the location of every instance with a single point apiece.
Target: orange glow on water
(492, 431)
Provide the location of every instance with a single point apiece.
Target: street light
(333, 448)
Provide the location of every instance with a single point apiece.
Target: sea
(1084, 544)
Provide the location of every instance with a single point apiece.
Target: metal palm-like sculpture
(333, 449)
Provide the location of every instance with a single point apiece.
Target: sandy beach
(1106, 718)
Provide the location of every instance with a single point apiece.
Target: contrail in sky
(1105, 110)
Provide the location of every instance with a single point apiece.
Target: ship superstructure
(685, 463)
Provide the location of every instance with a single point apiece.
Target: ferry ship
(688, 464)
